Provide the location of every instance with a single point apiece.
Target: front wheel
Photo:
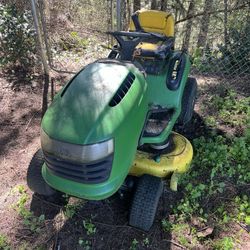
(145, 202)
(36, 182)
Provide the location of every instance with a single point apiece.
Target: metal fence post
(43, 57)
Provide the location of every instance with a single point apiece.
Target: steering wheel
(119, 35)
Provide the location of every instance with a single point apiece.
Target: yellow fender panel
(148, 46)
(176, 162)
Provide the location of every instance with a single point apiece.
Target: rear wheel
(36, 182)
(145, 202)
(188, 101)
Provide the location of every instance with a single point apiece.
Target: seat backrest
(155, 21)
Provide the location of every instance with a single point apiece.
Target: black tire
(145, 202)
(35, 180)
(188, 101)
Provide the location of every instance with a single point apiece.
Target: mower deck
(163, 165)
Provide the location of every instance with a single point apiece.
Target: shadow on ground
(110, 218)
(213, 84)
(197, 128)
(12, 129)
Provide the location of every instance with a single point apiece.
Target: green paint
(83, 116)
(157, 158)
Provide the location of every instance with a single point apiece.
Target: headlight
(75, 152)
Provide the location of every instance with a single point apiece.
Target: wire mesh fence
(215, 33)
(76, 33)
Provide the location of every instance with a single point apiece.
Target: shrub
(217, 162)
(229, 109)
(4, 242)
(17, 37)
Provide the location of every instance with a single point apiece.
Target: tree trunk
(202, 38)
(125, 13)
(129, 11)
(164, 4)
(188, 27)
(119, 15)
(154, 5)
(225, 23)
(137, 5)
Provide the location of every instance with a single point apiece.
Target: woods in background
(214, 32)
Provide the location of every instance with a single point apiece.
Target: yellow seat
(155, 21)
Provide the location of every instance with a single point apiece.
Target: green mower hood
(95, 103)
(90, 132)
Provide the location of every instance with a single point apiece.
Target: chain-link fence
(215, 33)
(75, 32)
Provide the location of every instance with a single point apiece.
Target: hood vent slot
(123, 89)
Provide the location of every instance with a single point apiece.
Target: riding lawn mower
(111, 126)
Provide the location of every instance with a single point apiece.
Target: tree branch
(210, 13)
(181, 6)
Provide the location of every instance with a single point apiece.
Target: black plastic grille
(87, 173)
(123, 89)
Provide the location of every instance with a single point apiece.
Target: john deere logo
(63, 152)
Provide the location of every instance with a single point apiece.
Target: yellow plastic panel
(155, 21)
(148, 46)
(176, 161)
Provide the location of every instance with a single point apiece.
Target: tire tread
(145, 202)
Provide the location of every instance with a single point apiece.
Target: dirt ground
(20, 115)
(20, 111)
